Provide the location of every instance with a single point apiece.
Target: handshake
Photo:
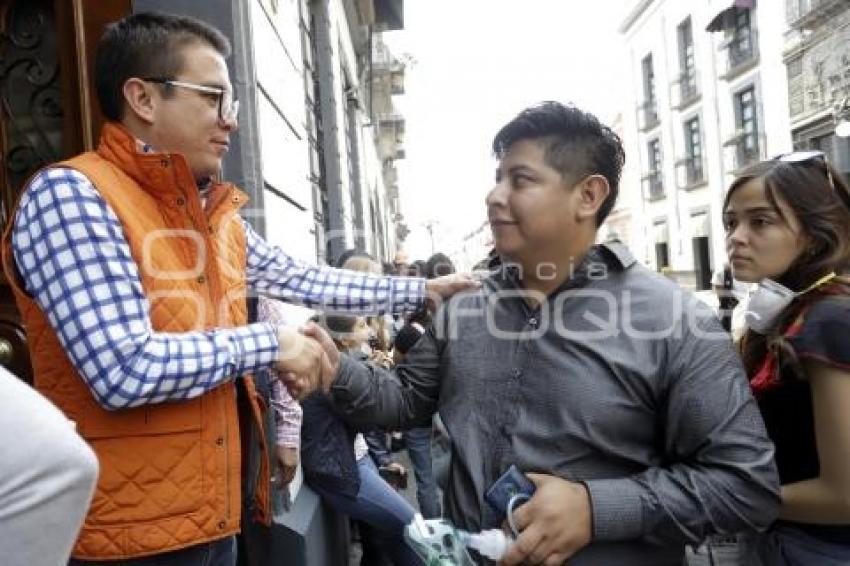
(308, 360)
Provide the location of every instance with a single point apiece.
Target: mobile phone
(511, 483)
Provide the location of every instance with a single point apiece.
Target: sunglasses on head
(807, 156)
(812, 156)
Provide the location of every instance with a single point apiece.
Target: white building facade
(327, 176)
(705, 95)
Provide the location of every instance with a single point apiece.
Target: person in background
(418, 438)
(47, 477)
(787, 226)
(401, 261)
(337, 465)
(378, 351)
(731, 300)
(639, 431)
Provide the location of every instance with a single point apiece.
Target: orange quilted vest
(170, 473)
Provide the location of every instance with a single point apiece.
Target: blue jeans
(418, 442)
(220, 552)
(380, 506)
(787, 546)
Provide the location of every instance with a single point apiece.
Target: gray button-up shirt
(619, 379)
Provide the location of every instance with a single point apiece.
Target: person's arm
(825, 499)
(47, 480)
(376, 440)
(74, 259)
(272, 272)
(399, 398)
(718, 474)
(288, 417)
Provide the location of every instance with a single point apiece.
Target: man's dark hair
(577, 144)
(417, 268)
(147, 44)
(438, 265)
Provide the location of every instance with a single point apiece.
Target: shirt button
(201, 279)
(219, 440)
(210, 229)
(221, 525)
(532, 322)
(517, 373)
(164, 162)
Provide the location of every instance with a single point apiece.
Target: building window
(746, 140)
(692, 163)
(649, 108)
(687, 62)
(653, 178)
(741, 39)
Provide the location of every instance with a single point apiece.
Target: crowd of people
(642, 424)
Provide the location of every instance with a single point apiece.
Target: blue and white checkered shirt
(75, 262)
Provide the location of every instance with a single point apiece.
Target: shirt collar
(599, 258)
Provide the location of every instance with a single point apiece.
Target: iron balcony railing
(743, 149)
(653, 185)
(684, 90)
(690, 171)
(648, 115)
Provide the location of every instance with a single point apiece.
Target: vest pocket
(150, 461)
(147, 478)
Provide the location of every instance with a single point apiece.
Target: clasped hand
(307, 361)
(554, 524)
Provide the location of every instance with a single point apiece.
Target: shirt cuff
(617, 509)
(254, 347)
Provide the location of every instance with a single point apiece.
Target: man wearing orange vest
(130, 266)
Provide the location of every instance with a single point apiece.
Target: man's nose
(230, 124)
(496, 196)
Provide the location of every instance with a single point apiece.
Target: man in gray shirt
(617, 393)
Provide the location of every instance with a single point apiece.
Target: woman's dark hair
(576, 144)
(338, 326)
(820, 200)
(147, 44)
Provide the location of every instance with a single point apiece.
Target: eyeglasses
(228, 108)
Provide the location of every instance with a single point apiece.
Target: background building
(696, 110)
(817, 55)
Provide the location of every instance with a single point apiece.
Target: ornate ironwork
(31, 111)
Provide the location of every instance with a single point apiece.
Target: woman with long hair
(787, 224)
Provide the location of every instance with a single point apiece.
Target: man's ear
(140, 99)
(592, 192)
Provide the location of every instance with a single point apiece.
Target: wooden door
(48, 110)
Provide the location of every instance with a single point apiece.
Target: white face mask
(766, 302)
(769, 299)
